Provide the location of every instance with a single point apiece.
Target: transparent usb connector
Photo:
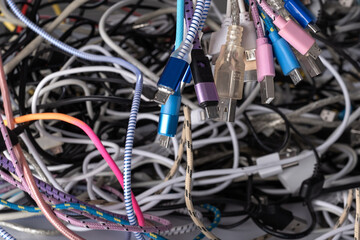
(278, 5)
(226, 108)
(229, 73)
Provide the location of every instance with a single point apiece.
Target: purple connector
(206, 92)
(208, 98)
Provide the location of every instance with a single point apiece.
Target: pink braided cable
(103, 224)
(114, 191)
(256, 19)
(6, 189)
(18, 170)
(267, 9)
(112, 226)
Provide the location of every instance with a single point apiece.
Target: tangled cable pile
(81, 124)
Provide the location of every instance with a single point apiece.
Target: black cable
(303, 138)
(275, 232)
(284, 235)
(261, 143)
(249, 206)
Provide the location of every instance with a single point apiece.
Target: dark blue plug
(304, 17)
(170, 79)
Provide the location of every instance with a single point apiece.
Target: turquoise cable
(180, 6)
(215, 223)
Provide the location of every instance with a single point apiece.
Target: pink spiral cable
(256, 19)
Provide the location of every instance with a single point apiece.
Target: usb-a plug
(265, 69)
(313, 67)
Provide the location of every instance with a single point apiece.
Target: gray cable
(8, 67)
(24, 229)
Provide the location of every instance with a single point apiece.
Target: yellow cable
(56, 8)
(11, 27)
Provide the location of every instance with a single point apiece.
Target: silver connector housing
(313, 27)
(314, 51)
(227, 108)
(164, 141)
(296, 76)
(250, 76)
(162, 95)
(313, 67)
(267, 90)
(212, 112)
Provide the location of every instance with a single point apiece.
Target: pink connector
(264, 59)
(294, 35)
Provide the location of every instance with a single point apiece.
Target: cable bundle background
(78, 106)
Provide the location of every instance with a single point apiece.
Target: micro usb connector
(162, 94)
(295, 76)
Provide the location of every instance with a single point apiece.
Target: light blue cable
(5, 235)
(180, 6)
(174, 100)
(134, 108)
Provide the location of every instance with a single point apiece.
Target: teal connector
(285, 56)
(169, 117)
